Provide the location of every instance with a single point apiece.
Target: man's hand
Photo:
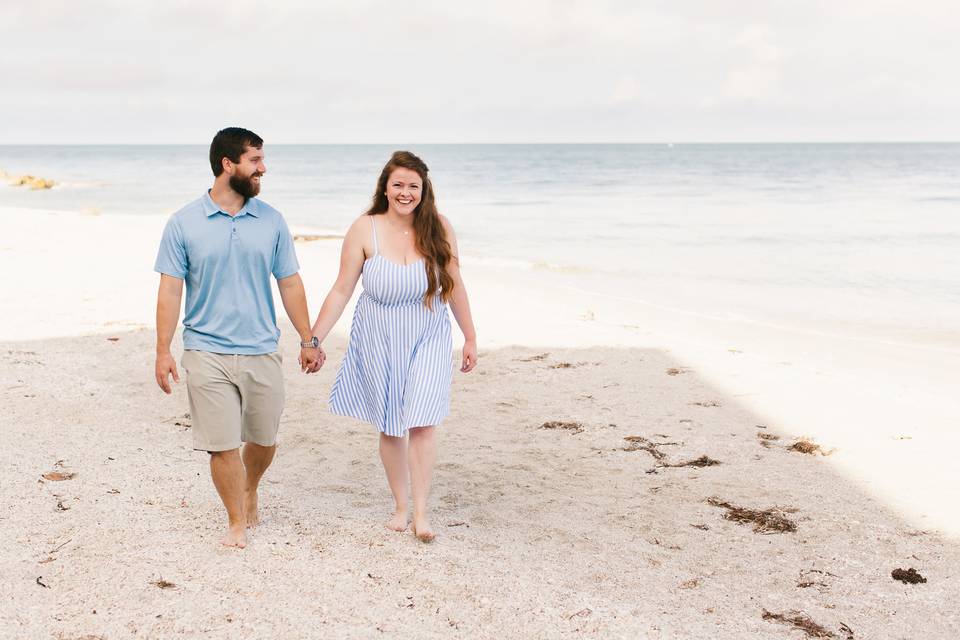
(311, 359)
(166, 366)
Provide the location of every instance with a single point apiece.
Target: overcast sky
(485, 71)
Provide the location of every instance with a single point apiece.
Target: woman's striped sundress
(399, 366)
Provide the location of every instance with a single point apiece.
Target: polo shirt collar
(211, 208)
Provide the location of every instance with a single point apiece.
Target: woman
(397, 370)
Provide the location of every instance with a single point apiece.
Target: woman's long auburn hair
(431, 238)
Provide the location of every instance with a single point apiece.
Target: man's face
(245, 175)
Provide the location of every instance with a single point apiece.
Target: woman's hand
(469, 356)
(311, 359)
(321, 359)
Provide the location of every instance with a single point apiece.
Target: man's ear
(227, 165)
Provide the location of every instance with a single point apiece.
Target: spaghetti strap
(376, 247)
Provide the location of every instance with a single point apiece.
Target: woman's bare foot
(422, 529)
(398, 522)
(250, 506)
(236, 537)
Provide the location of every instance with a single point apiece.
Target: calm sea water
(853, 237)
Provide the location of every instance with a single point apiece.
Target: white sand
(543, 532)
(890, 410)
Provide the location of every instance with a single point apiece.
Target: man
(226, 245)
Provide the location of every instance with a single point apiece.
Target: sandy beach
(568, 495)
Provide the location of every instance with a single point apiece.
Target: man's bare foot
(422, 529)
(250, 506)
(398, 522)
(236, 537)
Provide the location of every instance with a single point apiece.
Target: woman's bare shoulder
(359, 227)
(362, 219)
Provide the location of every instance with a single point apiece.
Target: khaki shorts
(233, 398)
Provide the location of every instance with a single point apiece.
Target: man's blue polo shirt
(226, 262)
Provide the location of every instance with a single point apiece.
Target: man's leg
(229, 479)
(260, 382)
(215, 409)
(256, 459)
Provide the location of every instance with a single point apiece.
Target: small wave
(81, 184)
(32, 211)
(560, 268)
(496, 263)
(938, 199)
(527, 265)
(739, 318)
(313, 237)
(306, 233)
(518, 203)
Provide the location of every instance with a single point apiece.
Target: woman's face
(404, 188)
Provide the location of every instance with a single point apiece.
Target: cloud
(503, 70)
(626, 91)
(756, 77)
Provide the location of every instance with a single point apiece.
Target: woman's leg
(393, 455)
(422, 455)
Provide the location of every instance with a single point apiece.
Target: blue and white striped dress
(399, 365)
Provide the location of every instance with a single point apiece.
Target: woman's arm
(351, 265)
(460, 303)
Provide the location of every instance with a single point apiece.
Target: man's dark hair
(231, 143)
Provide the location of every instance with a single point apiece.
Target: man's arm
(295, 302)
(168, 313)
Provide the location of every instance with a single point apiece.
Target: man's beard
(245, 186)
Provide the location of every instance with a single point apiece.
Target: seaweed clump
(772, 520)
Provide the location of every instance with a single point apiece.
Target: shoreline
(887, 409)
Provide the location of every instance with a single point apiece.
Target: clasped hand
(311, 359)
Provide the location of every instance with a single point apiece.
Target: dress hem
(347, 414)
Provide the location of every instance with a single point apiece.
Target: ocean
(853, 240)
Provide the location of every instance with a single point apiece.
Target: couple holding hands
(397, 371)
